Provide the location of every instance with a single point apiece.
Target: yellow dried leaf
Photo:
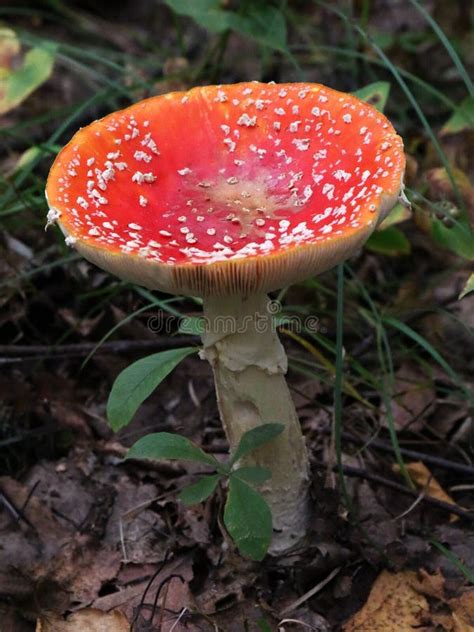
(429, 585)
(425, 480)
(393, 606)
(88, 620)
(398, 603)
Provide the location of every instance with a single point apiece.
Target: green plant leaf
(16, 84)
(390, 241)
(468, 288)
(261, 22)
(458, 238)
(452, 230)
(138, 381)
(27, 158)
(255, 438)
(248, 519)
(167, 445)
(252, 474)
(207, 13)
(375, 94)
(399, 213)
(196, 493)
(462, 118)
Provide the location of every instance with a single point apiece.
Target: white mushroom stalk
(249, 366)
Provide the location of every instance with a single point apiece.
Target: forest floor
(88, 539)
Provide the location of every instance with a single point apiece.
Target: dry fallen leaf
(398, 603)
(393, 606)
(89, 620)
(425, 480)
(463, 612)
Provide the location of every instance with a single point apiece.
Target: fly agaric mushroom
(229, 192)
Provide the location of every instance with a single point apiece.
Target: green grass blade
(114, 329)
(338, 384)
(455, 561)
(424, 85)
(410, 96)
(388, 406)
(448, 46)
(422, 342)
(386, 364)
(43, 268)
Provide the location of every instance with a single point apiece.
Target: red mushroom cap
(227, 189)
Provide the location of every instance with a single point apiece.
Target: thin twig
(356, 472)
(16, 513)
(23, 353)
(437, 461)
(310, 593)
(161, 566)
(30, 494)
(122, 542)
(414, 504)
(165, 583)
(181, 615)
(296, 622)
(29, 434)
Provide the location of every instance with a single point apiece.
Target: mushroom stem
(249, 365)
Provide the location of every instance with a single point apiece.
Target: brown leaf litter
(408, 601)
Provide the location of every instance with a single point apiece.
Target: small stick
(181, 615)
(37, 432)
(30, 494)
(16, 513)
(375, 478)
(414, 504)
(295, 621)
(437, 461)
(161, 566)
(28, 352)
(310, 593)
